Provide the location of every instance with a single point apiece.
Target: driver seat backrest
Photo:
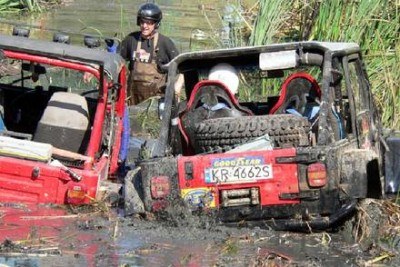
(64, 122)
(205, 95)
(295, 92)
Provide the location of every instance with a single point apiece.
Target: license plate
(238, 174)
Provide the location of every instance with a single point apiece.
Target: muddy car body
(60, 137)
(274, 164)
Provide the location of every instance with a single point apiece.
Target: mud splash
(216, 245)
(60, 236)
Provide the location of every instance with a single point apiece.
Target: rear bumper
(278, 207)
(290, 224)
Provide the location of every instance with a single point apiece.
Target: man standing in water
(146, 50)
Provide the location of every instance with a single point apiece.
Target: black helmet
(149, 11)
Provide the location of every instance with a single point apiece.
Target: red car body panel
(18, 183)
(31, 181)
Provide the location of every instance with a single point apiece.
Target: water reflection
(118, 18)
(52, 236)
(38, 235)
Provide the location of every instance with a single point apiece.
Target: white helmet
(226, 74)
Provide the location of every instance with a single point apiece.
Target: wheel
(222, 134)
(367, 225)
(133, 203)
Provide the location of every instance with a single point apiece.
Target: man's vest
(145, 80)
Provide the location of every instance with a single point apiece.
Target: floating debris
(199, 35)
(13, 249)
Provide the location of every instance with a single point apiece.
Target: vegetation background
(373, 24)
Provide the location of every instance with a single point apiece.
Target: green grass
(11, 6)
(270, 22)
(375, 26)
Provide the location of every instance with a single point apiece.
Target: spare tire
(223, 134)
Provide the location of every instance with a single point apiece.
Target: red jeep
(297, 150)
(59, 137)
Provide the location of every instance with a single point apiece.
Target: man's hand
(178, 86)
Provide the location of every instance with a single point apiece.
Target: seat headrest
(295, 91)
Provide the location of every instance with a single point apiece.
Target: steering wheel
(93, 92)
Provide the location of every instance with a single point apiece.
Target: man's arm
(128, 45)
(178, 86)
(170, 49)
(124, 49)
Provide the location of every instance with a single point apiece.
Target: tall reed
(31, 5)
(270, 22)
(10, 6)
(374, 25)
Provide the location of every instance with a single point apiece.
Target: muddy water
(185, 21)
(45, 236)
(56, 236)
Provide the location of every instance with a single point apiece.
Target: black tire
(222, 134)
(133, 203)
(366, 226)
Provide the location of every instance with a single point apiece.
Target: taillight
(316, 174)
(160, 187)
(76, 194)
(159, 205)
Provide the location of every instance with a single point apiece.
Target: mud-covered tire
(222, 134)
(133, 203)
(365, 227)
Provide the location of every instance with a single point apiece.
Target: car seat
(208, 100)
(297, 91)
(65, 122)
